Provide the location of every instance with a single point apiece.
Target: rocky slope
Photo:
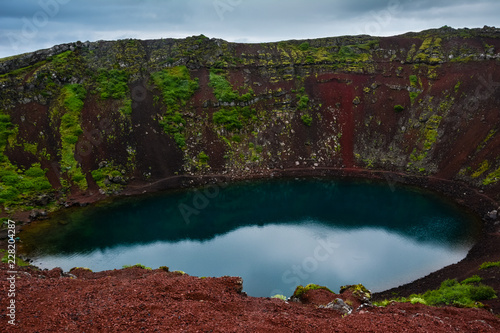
(80, 122)
(90, 118)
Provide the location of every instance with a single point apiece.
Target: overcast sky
(28, 25)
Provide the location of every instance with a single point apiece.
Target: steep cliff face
(96, 118)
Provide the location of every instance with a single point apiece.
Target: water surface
(275, 234)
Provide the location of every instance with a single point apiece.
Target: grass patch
(468, 293)
(18, 186)
(489, 264)
(483, 167)
(176, 88)
(398, 108)
(235, 118)
(307, 119)
(492, 177)
(413, 80)
(113, 84)
(223, 90)
(5, 259)
(473, 279)
(301, 290)
(73, 100)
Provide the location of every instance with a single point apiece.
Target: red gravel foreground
(139, 300)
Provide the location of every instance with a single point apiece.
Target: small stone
(492, 215)
(338, 305)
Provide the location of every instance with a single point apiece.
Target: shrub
(413, 80)
(346, 51)
(113, 83)
(307, 119)
(177, 88)
(398, 108)
(74, 94)
(489, 264)
(301, 290)
(451, 292)
(203, 158)
(234, 118)
(223, 90)
(462, 294)
(303, 101)
(175, 85)
(304, 46)
(472, 280)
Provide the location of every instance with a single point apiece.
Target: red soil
(134, 299)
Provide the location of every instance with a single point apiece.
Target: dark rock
(491, 216)
(338, 305)
(34, 214)
(43, 200)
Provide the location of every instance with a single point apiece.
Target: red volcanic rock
(140, 300)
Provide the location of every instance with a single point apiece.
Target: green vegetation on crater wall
(18, 187)
(301, 290)
(73, 96)
(234, 118)
(307, 119)
(114, 84)
(109, 178)
(483, 167)
(492, 177)
(467, 293)
(489, 264)
(428, 138)
(223, 90)
(176, 88)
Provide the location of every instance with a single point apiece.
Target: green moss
(281, 297)
(203, 158)
(82, 268)
(486, 140)
(176, 88)
(413, 80)
(102, 177)
(114, 84)
(301, 290)
(235, 118)
(431, 133)
(304, 46)
(489, 264)
(413, 96)
(459, 294)
(451, 292)
(492, 177)
(398, 108)
(307, 119)
(358, 290)
(73, 100)
(303, 102)
(18, 187)
(483, 167)
(472, 280)
(5, 259)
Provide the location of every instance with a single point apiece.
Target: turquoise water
(275, 234)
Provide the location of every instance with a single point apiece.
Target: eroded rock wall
(97, 118)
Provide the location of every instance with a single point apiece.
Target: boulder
(338, 305)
